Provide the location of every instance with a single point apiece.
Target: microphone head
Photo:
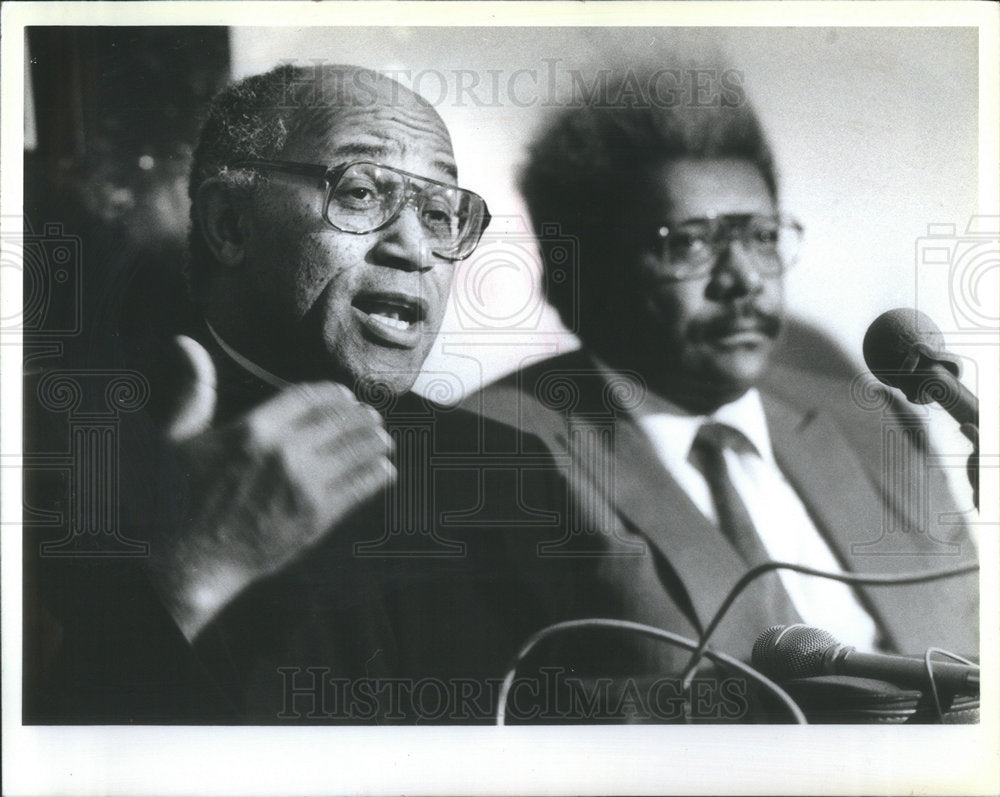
(899, 347)
(783, 652)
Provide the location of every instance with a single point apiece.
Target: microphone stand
(928, 375)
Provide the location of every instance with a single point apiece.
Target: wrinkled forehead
(360, 114)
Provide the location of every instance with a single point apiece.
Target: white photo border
(711, 760)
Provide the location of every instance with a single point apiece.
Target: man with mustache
(693, 454)
(323, 538)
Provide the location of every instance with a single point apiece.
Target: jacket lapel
(692, 553)
(641, 501)
(849, 510)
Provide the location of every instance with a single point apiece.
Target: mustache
(743, 318)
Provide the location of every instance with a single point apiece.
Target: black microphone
(784, 652)
(905, 349)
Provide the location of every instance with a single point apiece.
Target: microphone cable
(700, 649)
(648, 631)
(929, 664)
(875, 579)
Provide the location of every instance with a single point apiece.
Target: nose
(403, 243)
(735, 274)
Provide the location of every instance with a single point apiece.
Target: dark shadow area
(117, 110)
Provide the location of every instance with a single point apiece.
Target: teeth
(390, 320)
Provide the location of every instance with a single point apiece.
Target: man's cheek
(439, 294)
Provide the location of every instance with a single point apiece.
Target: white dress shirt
(782, 522)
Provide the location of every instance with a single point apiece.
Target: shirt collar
(747, 415)
(670, 422)
(247, 365)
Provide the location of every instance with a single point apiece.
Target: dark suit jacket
(410, 592)
(640, 550)
(409, 587)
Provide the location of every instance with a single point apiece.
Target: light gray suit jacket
(637, 547)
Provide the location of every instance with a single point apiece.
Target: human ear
(222, 212)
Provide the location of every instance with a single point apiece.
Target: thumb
(195, 403)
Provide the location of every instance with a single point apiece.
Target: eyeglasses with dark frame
(690, 249)
(363, 197)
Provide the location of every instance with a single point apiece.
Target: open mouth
(392, 319)
(396, 311)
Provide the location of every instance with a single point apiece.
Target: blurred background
(875, 132)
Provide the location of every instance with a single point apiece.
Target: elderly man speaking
(326, 224)
(322, 539)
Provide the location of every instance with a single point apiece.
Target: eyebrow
(358, 149)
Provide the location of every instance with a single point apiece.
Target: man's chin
(718, 381)
(741, 360)
(737, 378)
(375, 381)
(379, 390)
(381, 381)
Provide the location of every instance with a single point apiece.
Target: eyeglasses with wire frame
(363, 197)
(690, 249)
